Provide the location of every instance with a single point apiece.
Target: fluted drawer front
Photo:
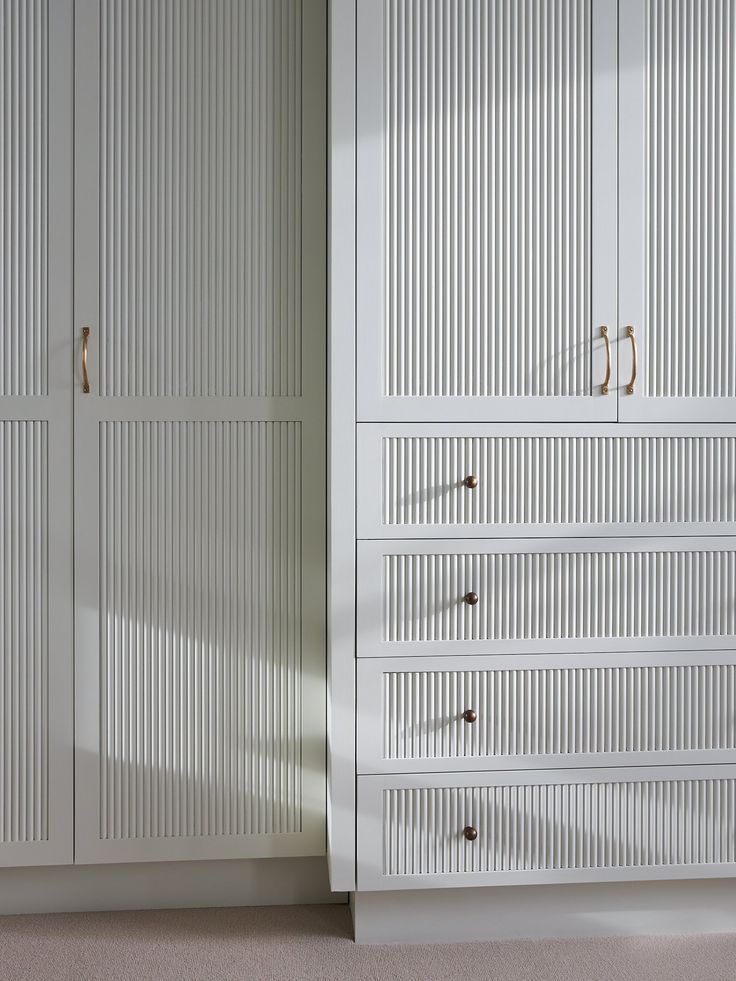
(576, 709)
(436, 480)
(568, 825)
(519, 595)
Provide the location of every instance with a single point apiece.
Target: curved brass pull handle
(85, 375)
(634, 354)
(606, 380)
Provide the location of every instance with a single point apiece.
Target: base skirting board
(509, 912)
(162, 885)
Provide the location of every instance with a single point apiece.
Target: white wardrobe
(544, 341)
(162, 429)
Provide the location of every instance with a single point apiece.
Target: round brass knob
(471, 482)
(471, 598)
(470, 833)
(470, 715)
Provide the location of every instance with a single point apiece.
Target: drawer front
(545, 480)
(519, 596)
(555, 710)
(537, 826)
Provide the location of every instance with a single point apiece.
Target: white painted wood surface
(167, 885)
(548, 710)
(341, 438)
(199, 452)
(605, 909)
(537, 827)
(487, 253)
(36, 712)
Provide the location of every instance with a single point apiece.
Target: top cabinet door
(486, 252)
(678, 181)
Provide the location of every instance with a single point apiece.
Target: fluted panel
(559, 480)
(200, 629)
(690, 166)
(24, 204)
(559, 711)
(576, 825)
(560, 595)
(24, 631)
(488, 197)
(200, 198)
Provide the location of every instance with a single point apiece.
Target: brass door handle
(630, 333)
(85, 374)
(606, 380)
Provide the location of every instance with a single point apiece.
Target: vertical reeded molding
(488, 197)
(559, 480)
(559, 595)
(576, 825)
(200, 198)
(559, 711)
(200, 629)
(24, 632)
(24, 204)
(690, 166)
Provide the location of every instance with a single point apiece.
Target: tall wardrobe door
(36, 711)
(678, 191)
(200, 144)
(486, 251)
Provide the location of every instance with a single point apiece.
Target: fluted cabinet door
(36, 711)
(486, 251)
(677, 220)
(200, 445)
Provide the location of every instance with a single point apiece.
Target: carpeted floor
(313, 943)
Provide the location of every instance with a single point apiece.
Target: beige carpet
(313, 942)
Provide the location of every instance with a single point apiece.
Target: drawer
(545, 480)
(477, 713)
(533, 595)
(546, 826)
